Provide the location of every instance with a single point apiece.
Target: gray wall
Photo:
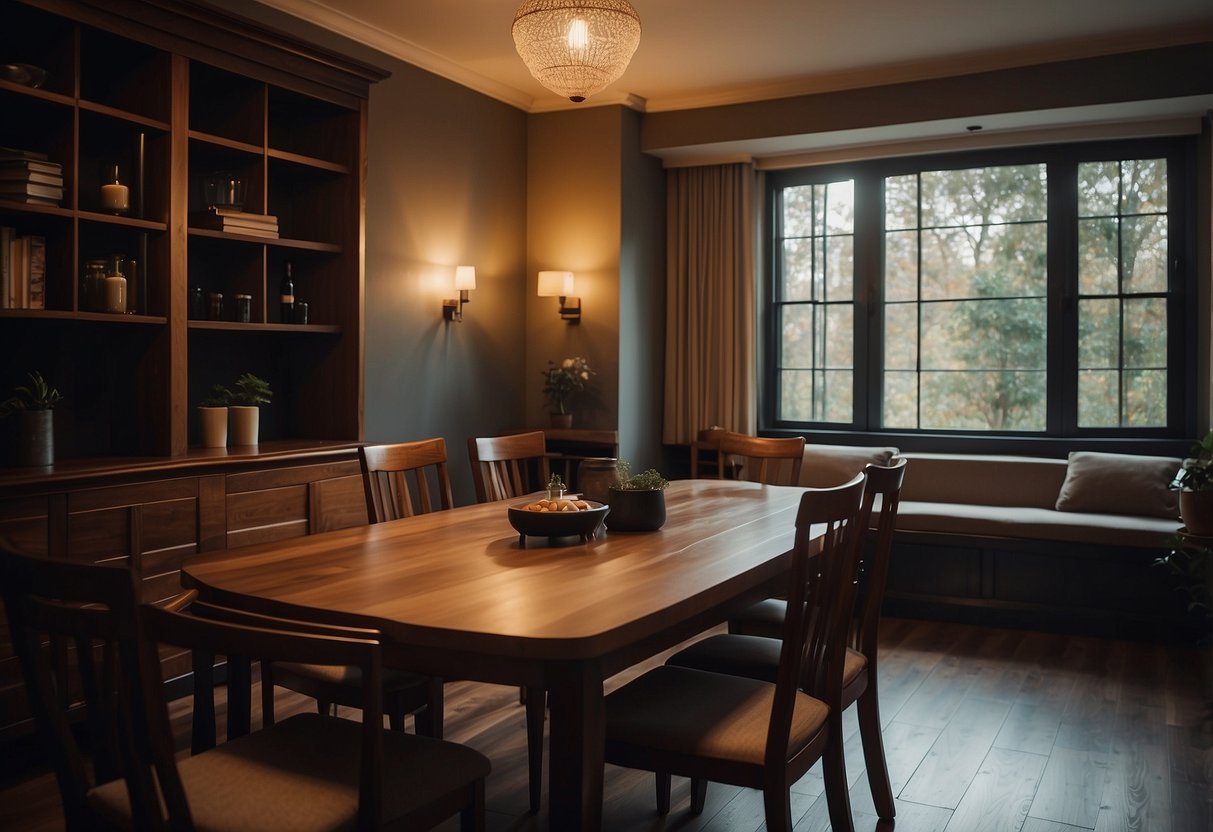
(446, 187)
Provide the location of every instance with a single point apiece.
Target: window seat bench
(1050, 544)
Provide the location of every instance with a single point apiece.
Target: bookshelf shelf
(173, 101)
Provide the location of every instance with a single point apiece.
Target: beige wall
(573, 223)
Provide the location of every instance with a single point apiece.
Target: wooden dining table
(456, 594)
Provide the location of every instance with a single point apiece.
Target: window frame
(1061, 429)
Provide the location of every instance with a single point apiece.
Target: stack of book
(236, 222)
(22, 270)
(27, 176)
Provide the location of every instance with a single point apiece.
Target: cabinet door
(24, 524)
(278, 504)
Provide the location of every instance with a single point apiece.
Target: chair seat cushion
(762, 619)
(680, 712)
(755, 657)
(303, 774)
(349, 676)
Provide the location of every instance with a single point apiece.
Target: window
(1036, 292)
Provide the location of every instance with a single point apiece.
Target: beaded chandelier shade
(576, 48)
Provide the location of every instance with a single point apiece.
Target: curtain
(710, 356)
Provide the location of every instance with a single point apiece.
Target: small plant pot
(35, 439)
(561, 420)
(635, 511)
(212, 426)
(245, 422)
(1196, 509)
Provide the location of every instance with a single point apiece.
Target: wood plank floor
(985, 729)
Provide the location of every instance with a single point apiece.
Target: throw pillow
(1119, 484)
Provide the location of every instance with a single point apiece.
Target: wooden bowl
(584, 524)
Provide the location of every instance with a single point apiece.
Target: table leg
(576, 746)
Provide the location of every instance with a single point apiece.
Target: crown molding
(340, 23)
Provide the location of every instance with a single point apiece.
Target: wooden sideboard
(152, 515)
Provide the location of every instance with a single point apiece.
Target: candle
(115, 198)
(115, 294)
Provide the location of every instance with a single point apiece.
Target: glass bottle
(286, 295)
(115, 196)
(115, 287)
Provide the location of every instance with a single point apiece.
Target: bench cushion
(1034, 524)
(1120, 484)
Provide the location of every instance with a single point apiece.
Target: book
(22, 175)
(7, 153)
(29, 166)
(253, 232)
(257, 224)
(30, 200)
(37, 272)
(19, 286)
(6, 265)
(9, 188)
(220, 211)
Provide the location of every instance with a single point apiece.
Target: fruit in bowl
(557, 518)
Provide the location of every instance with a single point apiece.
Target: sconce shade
(465, 278)
(555, 284)
(576, 48)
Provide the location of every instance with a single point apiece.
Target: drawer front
(266, 515)
(338, 503)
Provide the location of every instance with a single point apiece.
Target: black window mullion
(1061, 358)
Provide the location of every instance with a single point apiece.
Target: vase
(35, 439)
(244, 424)
(595, 476)
(212, 427)
(562, 420)
(1196, 509)
(635, 511)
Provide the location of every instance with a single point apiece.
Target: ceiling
(709, 52)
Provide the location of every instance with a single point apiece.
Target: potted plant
(637, 501)
(212, 417)
(34, 406)
(561, 383)
(1195, 483)
(249, 394)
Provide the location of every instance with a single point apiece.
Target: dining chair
(752, 646)
(386, 474)
(51, 605)
(309, 771)
(765, 459)
(750, 732)
(707, 443)
(504, 467)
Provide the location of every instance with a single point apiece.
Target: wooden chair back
(504, 467)
(74, 630)
(706, 444)
(773, 461)
(884, 482)
(821, 595)
(387, 469)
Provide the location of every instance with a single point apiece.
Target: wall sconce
(465, 279)
(560, 285)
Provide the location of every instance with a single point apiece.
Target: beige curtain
(710, 355)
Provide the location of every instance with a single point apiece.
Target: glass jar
(92, 286)
(244, 308)
(215, 306)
